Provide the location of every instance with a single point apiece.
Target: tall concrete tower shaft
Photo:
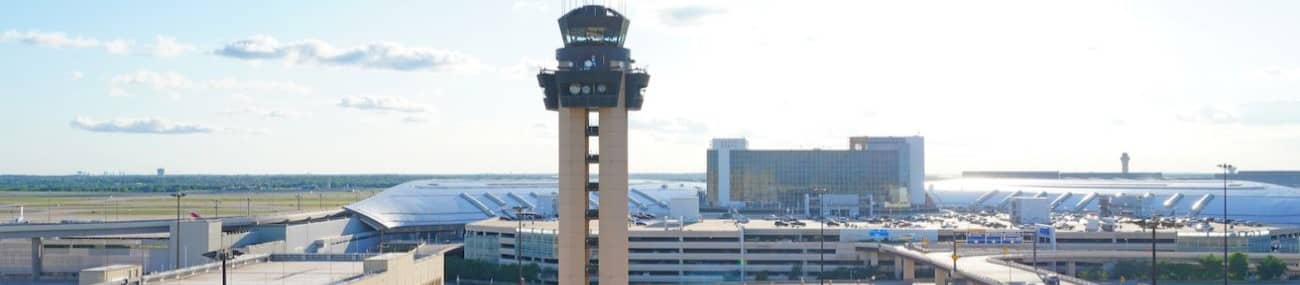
(1123, 161)
(594, 75)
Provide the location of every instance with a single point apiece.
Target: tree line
(171, 183)
(1209, 267)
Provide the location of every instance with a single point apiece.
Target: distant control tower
(594, 75)
(1123, 160)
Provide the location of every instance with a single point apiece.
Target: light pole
(821, 236)
(176, 238)
(519, 244)
(1155, 270)
(1227, 170)
(1035, 248)
(953, 278)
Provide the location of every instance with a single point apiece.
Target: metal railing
(1040, 271)
(204, 268)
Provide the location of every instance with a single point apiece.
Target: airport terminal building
(874, 172)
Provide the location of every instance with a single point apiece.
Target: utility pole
(519, 244)
(1036, 249)
(821, 237)
(176, 239)
(1155, 270)
(952, 279)
(1227, 170)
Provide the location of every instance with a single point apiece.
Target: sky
(448, 87)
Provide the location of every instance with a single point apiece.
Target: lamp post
(519, 244)
(821, 236)
(1227, 170)
(224, 255)
(1155, 270)
(176, 238)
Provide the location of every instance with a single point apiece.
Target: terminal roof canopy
(460, 201)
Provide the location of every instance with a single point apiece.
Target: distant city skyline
(334, 87)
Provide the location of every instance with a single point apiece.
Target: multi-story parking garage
(715, 250)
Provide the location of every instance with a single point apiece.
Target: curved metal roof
(459, 201)
(1256, 201)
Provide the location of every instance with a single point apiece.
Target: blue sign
(1045, 231)
(994, 238)
(878, 234)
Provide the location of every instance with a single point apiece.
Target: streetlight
(821, 237)
(176, 237)
(1155, 270)
(224, 255)
(1227, 170)
(519, 245)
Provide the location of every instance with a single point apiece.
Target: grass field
(55, 206)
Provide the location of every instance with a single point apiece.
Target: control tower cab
(593, 68)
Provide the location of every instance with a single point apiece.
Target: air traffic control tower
(594, 75)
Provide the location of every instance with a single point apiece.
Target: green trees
(1211, 267)
(846, 273)
(1238, 266)
(1208, 267)
(480, 270)
(1271, 268)
(1131, 269)
(1179, 271)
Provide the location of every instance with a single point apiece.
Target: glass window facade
(784, 178)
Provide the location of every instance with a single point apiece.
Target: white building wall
(724, 148)
(916, 175)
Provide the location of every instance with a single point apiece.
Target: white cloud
(246, 131)
(525, 69)
(688, 15)
(157, 80)
(680, 126)
(255, 85)
(162, 47)
(415, 119)
(172, 82)
(76, 75)
(383, 55)
(382, 104)
(167, 46)
(140, 126)
(49, 39)
(1265, 113)
(264, 113)
(531, 5)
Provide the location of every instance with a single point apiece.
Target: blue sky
(447, 86)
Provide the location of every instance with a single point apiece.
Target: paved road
(982, 266)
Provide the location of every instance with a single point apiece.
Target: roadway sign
(878, 234)
(955, 256)
(994, 238)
